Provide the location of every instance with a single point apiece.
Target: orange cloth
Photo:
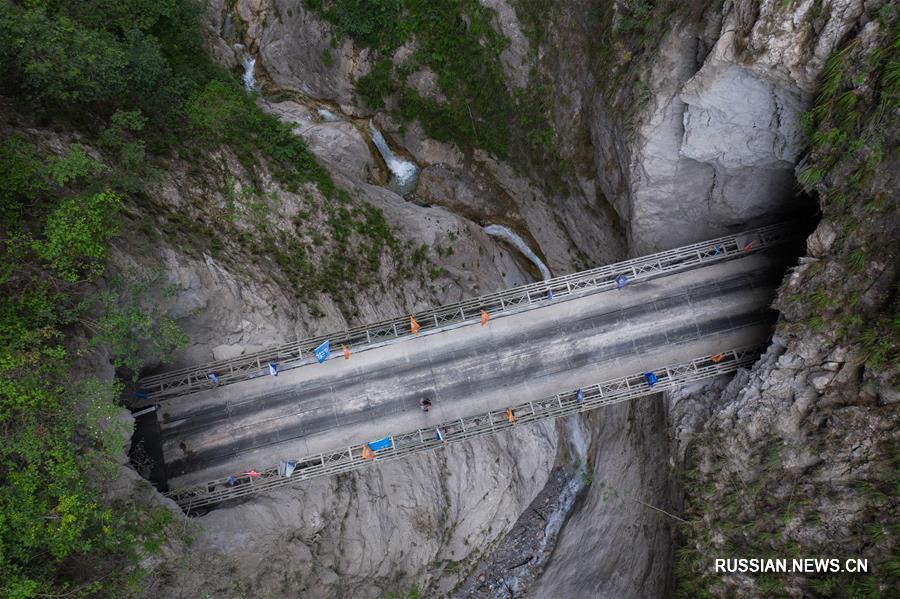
(367, 453)
(509, 415)
(484, 317)
(413, 325)
(717, 358)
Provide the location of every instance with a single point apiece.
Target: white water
(578, 442)
(555, 521)
(328, 116)
(510, 236)
(248, 77)
(403, 172)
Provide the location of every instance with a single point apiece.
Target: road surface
(467, 369)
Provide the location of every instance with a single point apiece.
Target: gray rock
(226, 352)
(295, 48)
(425, 82)
(514, 56)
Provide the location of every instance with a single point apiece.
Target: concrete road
(467, 370)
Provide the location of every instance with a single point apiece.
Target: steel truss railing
(404, 444)
(196, 378)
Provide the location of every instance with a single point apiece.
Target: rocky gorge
(590, 132)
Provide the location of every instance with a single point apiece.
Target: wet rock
(461, 191)
(296, 48)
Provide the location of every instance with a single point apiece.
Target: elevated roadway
(519, 357)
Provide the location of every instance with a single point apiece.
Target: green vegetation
(131, 79)
(376, 84)
(59, 433)
(851, 128)
(371, 23)
(412, 593)
(846, 299)
(732, 512)
(456, 40)
(221, 113)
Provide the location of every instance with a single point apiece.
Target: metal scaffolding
(424, 439)
(291, 355)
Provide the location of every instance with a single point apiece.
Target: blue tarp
(323, 351)
(651, 378)
(380, 444)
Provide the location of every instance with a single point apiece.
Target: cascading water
(227, 27)
(510, 236)
(249, 77)
(249, 64)
(404, 174)
(328, 116)
(520, 557)
(578, 443)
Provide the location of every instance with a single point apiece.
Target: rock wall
(711, 141)
(616, 543)
(302, 56)
(797, 457)
(419, 522)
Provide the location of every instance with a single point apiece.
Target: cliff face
(693, 109)
(798, 458)
(665, 123)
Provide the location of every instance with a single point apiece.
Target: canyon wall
(691, 131)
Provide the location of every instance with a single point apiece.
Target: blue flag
(323, 351)
(580, 396)
(550, 294)
(651, 378)
(273, 368)
(379, 444)
(621, 280)
(438, 435)
(212, 376)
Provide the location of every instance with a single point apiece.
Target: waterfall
(227, 27)
(578, 442)
(328, 116)
(511, 237)
(403, 172)
(249, 79)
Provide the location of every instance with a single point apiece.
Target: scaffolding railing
(401, 445)
(196, 378)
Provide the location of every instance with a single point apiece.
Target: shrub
(376, 84)
(77, 234)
